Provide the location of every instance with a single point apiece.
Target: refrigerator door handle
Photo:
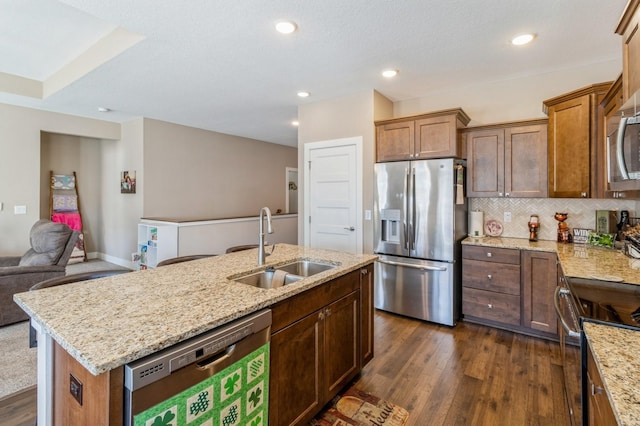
(413, 209)
(409, 265)
(406, 210)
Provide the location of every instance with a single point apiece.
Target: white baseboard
(113, 259)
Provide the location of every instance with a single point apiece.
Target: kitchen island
(106, 323)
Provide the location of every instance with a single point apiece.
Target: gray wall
(342, 118)
(193, 173)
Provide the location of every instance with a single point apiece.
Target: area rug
(18, 362)
(357, 408)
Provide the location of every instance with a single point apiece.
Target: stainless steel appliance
(219, 376)
(418, 226)
(623, 153)
(578, 300)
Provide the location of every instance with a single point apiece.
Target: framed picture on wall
(128, 182)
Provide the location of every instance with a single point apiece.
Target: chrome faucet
(261, 253)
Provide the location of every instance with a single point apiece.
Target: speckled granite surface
(577, 260)
(616, 354)
(108, 322)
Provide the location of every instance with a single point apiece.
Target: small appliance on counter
(534, 225)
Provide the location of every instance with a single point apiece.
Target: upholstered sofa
(51, 247)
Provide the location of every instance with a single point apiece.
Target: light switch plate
(507, 217)
(19, 209)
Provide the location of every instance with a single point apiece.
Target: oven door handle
(564, 293)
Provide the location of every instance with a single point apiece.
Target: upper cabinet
(433, 135)
(507, 160)
(628, 29)
(575, 131)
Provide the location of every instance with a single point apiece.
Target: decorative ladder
(64, 207)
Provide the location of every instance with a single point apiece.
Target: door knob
(350, 228)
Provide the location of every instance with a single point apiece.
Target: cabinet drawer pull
(490, 306)
(489, 254)
(489, 277)
(596, 390)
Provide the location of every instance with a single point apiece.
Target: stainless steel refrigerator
(420, 220)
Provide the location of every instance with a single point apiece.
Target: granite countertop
(576, 260)
(615, 351)
(108, 322)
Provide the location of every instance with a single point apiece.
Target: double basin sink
(274, 277)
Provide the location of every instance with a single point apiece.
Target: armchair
(51, 247)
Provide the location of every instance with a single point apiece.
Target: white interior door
(333, 195)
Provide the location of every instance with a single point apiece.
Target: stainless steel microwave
(624, 152)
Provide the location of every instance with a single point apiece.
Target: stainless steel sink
(264, 279)
(285, 274)
(305, 268)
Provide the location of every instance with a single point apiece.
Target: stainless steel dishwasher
(218, 378)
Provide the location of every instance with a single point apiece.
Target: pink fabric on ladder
(70, 219)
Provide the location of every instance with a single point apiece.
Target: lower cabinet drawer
(492, 306)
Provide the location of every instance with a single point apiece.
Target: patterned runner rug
(357, 408)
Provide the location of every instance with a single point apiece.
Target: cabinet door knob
(321, 316)
(489, 277)
(490, 306)
(364, 271)
(499, 194)
(583, 194)
(506, 194)
(489, 254)
(328, 311)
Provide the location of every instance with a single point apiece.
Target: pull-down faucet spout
(261, 253)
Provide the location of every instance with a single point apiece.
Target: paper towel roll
(476, 224)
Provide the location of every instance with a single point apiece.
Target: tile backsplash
(582, 213)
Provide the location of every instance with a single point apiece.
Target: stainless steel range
(578, 300)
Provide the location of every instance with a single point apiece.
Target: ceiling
(220, 65)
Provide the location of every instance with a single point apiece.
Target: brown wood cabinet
(539, 281)
(100, 400)
(507, 160)
(510, 288)
(433, 135)
(628, 29)
(599, 408)
(575, 132)
(491, 284)
(315, 348)
(367, 312)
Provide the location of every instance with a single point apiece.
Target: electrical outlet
(367, 215)
(19, 209)
(75, 388)
(135, 257)
(507, 217)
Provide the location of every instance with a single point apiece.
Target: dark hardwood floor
(19, 409)
(466, 375)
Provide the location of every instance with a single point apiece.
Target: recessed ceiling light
(103, 109)
(286, 27)
(303, 94)
(295, 123)
(522, 39)
(389, 73)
